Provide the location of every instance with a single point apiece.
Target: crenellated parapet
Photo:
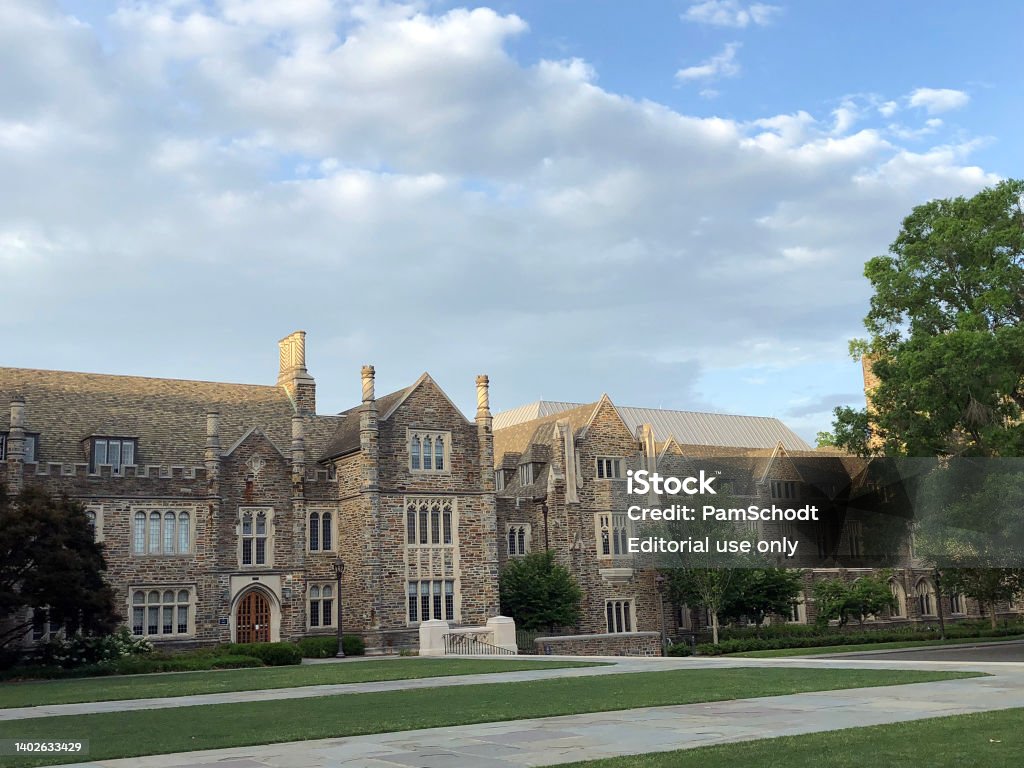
(106, 471)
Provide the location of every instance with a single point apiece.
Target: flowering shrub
(80, 650)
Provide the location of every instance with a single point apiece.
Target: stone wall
(621, 644)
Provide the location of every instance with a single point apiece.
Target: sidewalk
(549, 741)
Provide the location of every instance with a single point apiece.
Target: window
(518, 538)
(255, 540)
(499, 480)
(118, 452)
(900, 611)
(44, 627)
(797, 610)
(957, 603)
(321, 605)
(620, 615)
(429, 451)
(525, 474)
(94, 514)
(925, 594)
(855, 534)
(161, 532)
(431, 599)
(161, 611)
(609, 469)
(429, 521)
(29, 448)
(783, 489)
(321, 531)
(613, 532)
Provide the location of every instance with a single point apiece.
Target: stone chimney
(298, 447)
(16, 446)
(211, 455)
(293, 376)
(484, 434)
(368, 431)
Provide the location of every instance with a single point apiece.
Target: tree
(706, 587)
(989, 586)
(841, 600)
(50, 561)
(756, 593)
(824, 439)
(538, 593)
(946, 337)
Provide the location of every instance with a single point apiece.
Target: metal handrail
(467, 645)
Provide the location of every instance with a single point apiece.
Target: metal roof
(687, 427)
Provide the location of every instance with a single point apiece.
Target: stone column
(369, 435)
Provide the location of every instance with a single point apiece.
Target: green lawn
(117, 734)
(985, 740)
(783, 652)
(29, 694)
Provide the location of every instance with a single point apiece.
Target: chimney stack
(16, 446)
(212, 453)
(368, 377)
(293, 376)
(298, 447)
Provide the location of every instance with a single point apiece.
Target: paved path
(1008, 650)
(548, 741)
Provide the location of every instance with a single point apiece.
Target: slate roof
(168, 416)
(689, 427)
(346, 438)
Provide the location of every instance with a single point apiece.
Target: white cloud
(936, 100)
(722, 64)
(303, 166)
(888, 108)
(730, 13)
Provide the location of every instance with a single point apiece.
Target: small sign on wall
(223, 621)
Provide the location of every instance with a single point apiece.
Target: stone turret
(16, 446)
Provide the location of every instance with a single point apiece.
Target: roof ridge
(135, 376)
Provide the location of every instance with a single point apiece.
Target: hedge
(326, 646)
(271, 654)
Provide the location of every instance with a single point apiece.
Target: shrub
(271, 654)
(322, 647)
(82, 650)
(679, 649)
(353, 645)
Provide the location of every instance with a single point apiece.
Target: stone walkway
(549, 741)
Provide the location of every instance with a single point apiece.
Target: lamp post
(339, 569)
(544, 509)
(659, 584)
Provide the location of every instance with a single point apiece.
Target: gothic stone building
(224, 508)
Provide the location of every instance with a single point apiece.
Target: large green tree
(946, 338)
(538, 593)
(755, 594)
(841, 600)
(50, 561)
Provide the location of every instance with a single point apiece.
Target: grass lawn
(782, 652)
(987, 739)
(29, 694)
(119, 734)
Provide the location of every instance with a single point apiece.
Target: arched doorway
(252, 618)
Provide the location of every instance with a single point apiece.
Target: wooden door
(252, 622)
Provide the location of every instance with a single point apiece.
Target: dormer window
(525, 474)
(429, 451)
(29, 448)
(116, 451)
(609, 468)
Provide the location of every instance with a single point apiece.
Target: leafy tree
(756, 593)
(825, 439)
(842, 600)
(946, 337)
(49, 560)
(707, 587)
(538, 593)
(989, 586)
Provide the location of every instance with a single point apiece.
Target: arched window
(925, 594)
(521, 537)
(138, 611)
(325, 540)
(247, 530)
(511, 541)
(154, 532)
(321, 605)
(314, 531)
(314, 606)
(140, 533)
(327, 606)
(184, 533)
(435, 525)
(183, 601)
(439, 453)
(414, 452)
(427, 455)
(261, 538)
(169, 538)
(447, 515)
(957, 603)
(900, 611)
(410, 525)
(423, 524)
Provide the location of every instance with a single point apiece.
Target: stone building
(225, 508)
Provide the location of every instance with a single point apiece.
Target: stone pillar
(292, 374)
(503, 632)
(432, 634)
(16, 446)
(370, 464)
(298, 447)
(488, 503)
(485, 436)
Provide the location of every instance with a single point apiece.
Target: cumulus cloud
(722, 64)
(936, 100)
(731, 13)
(395, 182)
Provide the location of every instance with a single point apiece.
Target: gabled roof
(687, 427)
(167, 416)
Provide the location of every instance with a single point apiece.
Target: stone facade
(208, 526)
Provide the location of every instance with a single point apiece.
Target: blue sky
(670, 202)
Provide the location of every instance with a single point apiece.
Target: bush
(271, 654)
(679, 649)
(353, 645)
(81, 650)
(326, 646)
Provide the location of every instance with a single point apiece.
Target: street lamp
(339, 569)
(659, 584)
